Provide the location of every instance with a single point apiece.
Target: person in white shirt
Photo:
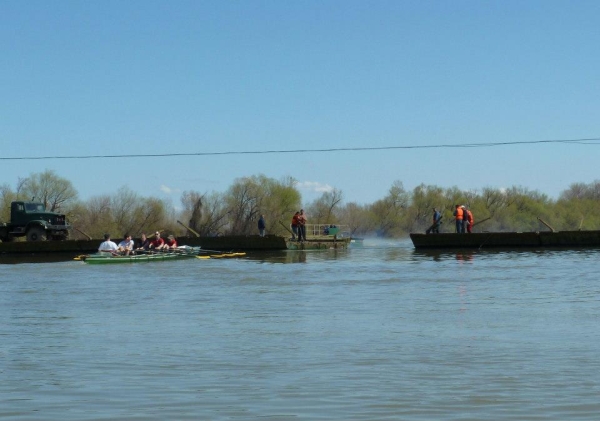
(125, 246)
(108, 246)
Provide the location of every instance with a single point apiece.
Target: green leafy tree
(6, 197)
(387, 213)
(250, 197)
(53, 191)
(281, 201)
(423, 200)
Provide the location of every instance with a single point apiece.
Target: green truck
(33, 221)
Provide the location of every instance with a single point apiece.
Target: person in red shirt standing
(469, 220)
(295, 225)
(302, 226)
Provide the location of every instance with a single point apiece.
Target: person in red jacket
(302, 225)
(469, 220)
(295, 225)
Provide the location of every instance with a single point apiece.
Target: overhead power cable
(588, 141)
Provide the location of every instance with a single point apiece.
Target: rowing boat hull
(142, 258)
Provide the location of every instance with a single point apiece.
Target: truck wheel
(36, 234)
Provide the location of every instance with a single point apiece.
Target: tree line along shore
(236, 211)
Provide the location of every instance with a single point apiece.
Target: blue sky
(156, 77)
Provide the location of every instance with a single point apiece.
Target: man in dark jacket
(437, 220)
(261, 226)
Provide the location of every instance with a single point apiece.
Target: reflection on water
(297, 256)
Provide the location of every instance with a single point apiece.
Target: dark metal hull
(224, 243)
(318, 244)
(507, 240)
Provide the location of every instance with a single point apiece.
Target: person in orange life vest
(295, 225)
(158, 243)
(458, 214)
(469, 220)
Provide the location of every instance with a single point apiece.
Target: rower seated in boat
(157, 243)
(170, 243)
(108, 246)
(125, 246)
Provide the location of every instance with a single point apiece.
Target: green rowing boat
(138, 258)
(183, 252)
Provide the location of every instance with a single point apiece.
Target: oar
(188, 228)
(222, 255)
(81, 232)
(212, 251)
(428, 230)
(287, 229)
(545, 223)
(482, 221)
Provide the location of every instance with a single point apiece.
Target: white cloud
(165, 189)
(314, 186)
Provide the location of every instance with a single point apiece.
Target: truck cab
(32, 220)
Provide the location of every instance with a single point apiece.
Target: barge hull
(507, 240)
(224, 243)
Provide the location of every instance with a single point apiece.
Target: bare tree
(322, 210)
(192, 208)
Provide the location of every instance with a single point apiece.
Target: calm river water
(381, 332)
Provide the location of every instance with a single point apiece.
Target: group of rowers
(462, 216)
(128, 247)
